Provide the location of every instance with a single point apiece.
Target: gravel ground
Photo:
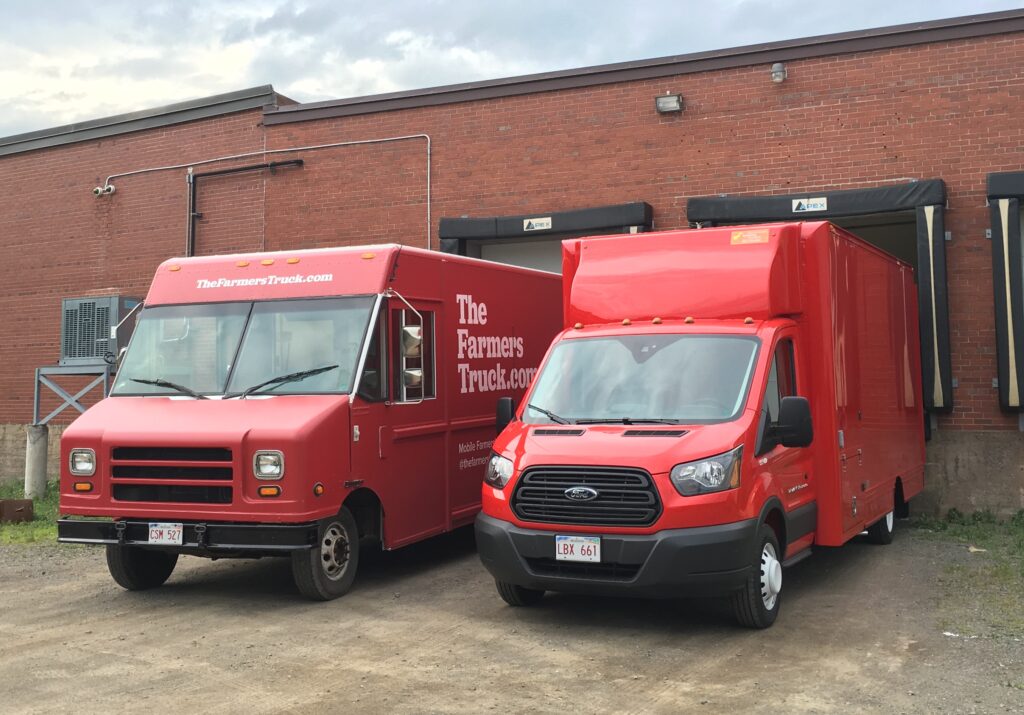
(424, 631)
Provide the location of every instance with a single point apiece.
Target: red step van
(666, 446)
(295, 403)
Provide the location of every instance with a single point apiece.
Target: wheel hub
(771, 576)
(334, 552)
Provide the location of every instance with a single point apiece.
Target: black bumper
(703, 561)
(197, 537)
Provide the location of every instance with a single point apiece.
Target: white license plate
(578, 548)
(169, 534)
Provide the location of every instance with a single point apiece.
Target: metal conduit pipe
(108, 188)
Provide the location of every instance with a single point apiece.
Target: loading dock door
(904, 219)
(534, 240)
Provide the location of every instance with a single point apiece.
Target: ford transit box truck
(720, 401)
(299, 403)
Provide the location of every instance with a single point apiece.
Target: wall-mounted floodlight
(668, 103)
(779, 73)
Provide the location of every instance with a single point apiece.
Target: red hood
(609, 445)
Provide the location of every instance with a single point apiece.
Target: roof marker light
(627, 321)
(368, 256)
(267, 262)
(688, 319)
(578, 326)
(748, 320)
(292, 260)
(242, 264)
(174, 268)
(656, 321)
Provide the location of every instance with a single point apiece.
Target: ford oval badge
(580, 493)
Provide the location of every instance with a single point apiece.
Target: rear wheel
(138, 569)
(756, 605)
(518, 595)
(881, 531)
(328, 570)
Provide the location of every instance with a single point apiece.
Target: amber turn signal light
(269, 491)
(83, 486)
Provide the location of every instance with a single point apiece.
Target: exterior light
(669, 103)
(779, 73)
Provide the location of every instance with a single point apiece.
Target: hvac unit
(85, 325)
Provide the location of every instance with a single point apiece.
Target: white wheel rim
(771, 576)
(889, 521)
(334, 552)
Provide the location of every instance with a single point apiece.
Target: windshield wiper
(282, 379)
(550, 415)
(173, 385)
(626, 421)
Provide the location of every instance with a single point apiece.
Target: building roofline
(253, 98)
(916, 33)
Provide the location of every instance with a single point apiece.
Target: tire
(138, 569)
(328, 570)
(518, 595)
(756, 605)
(881, 531)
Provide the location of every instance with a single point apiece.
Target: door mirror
(412, 341)
(794, 428)
(505, 413)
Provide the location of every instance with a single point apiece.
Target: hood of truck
(311, 431)
(654, 447)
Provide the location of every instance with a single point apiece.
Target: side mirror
(412, 341)
(505, 413)
(794, 427)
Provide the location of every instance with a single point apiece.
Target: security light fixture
(669, 103)
(778, 73)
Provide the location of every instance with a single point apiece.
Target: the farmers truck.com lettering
(487, 347)
(264, 281)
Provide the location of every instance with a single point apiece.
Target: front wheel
(518, 595)
(137, 569)
(327, 570)
(756, 605)
(881, 531)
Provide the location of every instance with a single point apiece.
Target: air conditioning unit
(85, 337)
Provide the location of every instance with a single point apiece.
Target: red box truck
(296, 403)
(666, 446)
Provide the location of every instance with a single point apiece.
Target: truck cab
(689, 432)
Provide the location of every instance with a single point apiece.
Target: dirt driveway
(424, 631)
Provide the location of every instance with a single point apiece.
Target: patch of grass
(983, 590)
(42, 528)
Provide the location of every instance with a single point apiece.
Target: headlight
(499, 471)
(268, 464)
(714, 474)
(82, 462)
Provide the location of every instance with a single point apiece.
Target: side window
(413, 350)
(781, 379)
(373, 383)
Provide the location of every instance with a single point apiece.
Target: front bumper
(197, 537)
(700, 561)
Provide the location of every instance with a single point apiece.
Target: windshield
(215, 348)
(637, 378)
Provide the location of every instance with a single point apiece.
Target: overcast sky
(67, 61)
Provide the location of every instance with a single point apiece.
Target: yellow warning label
(757, 235)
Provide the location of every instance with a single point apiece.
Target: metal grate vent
(558, 432)
(654, 433)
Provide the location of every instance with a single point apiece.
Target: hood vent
(654, 433)
(558, 432)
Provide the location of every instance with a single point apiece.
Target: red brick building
(909, 135)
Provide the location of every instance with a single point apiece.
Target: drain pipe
(108, 188)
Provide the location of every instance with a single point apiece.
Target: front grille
(625, 497)
(172, 493)
(136, 473)
(573, 569)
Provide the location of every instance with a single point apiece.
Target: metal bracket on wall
(101, 372)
